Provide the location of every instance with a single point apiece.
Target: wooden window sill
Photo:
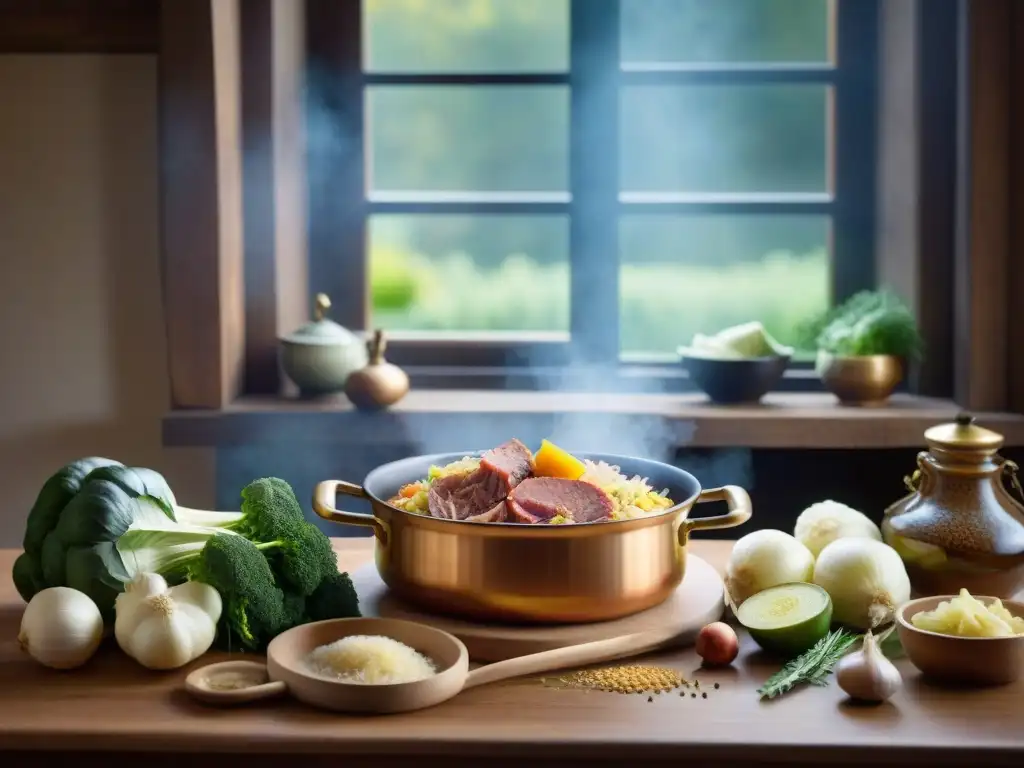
(783, 420)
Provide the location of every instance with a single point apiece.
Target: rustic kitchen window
(514, 184)
(336, 146)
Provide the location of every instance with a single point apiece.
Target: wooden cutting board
(699, 600)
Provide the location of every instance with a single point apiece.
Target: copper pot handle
(325, 496)
(740, 510)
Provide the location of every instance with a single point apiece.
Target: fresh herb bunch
(868, 323)
(812, 667)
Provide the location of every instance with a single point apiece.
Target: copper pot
(532, 573)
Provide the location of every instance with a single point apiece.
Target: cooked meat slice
(541, 498)
(496, 514)
(512, 461)
(439, 498)
(457, 497)
(476, 494)
(516, 514)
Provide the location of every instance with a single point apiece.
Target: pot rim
(684, 505)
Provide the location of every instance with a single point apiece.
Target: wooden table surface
(133, 715)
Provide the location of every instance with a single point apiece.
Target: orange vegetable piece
(552, 461)
(410, 490)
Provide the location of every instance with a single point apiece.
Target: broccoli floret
(334, 598)
(268, 505)
(301, 555)
(254, 609)
(294, 609)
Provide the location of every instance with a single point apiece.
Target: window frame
(338, 254)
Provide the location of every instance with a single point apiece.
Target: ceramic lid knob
(322, 330)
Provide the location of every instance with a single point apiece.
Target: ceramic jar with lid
(960, 527)
(319, 356)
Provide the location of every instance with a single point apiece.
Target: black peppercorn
(717, 686)
(704, 695)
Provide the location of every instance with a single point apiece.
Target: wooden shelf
(794, 420)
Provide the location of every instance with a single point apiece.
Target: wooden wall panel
(983, 220)
(916, 182)
(1015, 253)
(273, 59)
(201, 200)
(79, 26)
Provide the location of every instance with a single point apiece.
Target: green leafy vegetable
(96, 524)
(812, 667)
(868, 323)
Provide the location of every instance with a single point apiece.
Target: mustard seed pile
(633, 678)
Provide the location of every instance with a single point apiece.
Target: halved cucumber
(787, 619)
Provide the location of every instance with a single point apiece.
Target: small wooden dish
(286, 667)
(233, 682)
(962, 660)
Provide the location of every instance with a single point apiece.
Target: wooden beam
(336, 118)
(273, 61)
(916, 200)
(983, 208)
(79, 26)
(1016, 247)
(201, 200)
(455, 419)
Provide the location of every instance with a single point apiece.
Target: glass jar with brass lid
(960, 527)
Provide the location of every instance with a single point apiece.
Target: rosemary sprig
(812, 667)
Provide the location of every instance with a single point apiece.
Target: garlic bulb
(61, 628)
(822, 523)
(166, 628)
(866, 580)
(764, 559)
(868, 675)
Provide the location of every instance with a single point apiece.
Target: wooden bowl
(286, 662)
(963, 660)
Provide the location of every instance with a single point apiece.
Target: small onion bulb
(765, 559)
(61, 628)
(822, 523)
(866, 580)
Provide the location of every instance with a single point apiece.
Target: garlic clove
(867, 675)
(200, 595)
(162, 643)
(146, 584)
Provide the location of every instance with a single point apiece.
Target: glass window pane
(708, 31)
(469, 273)
(738, 138)
(468, 138)
(682, 275)
(465, 35)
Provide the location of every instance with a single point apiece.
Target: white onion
(61, 628)
(822, 523)
(866, 580)
(764, 559)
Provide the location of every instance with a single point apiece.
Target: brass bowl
(865, 381)
(532, 573)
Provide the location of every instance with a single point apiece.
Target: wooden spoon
(286, 666)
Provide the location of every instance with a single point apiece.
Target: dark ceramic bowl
(732, 382)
